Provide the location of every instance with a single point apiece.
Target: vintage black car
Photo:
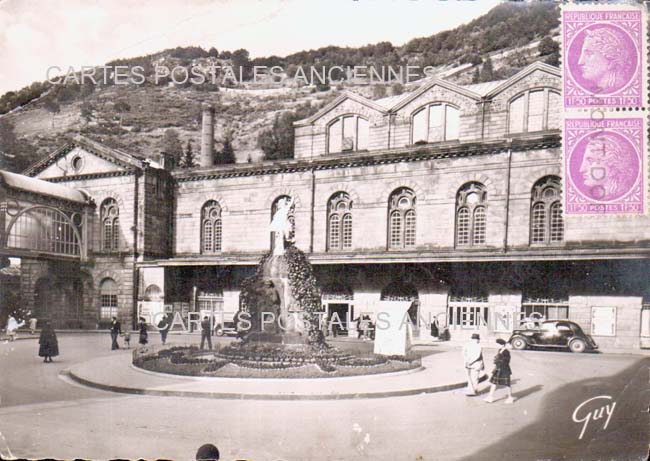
(560, 334)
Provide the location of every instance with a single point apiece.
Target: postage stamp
(604, 55)
(604, 166)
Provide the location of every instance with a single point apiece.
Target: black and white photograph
(329, 230)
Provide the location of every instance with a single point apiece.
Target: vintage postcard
(332, 230)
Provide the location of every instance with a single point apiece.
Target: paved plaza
(46, 413)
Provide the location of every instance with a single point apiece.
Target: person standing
(501, 373)
(32, 325)
(12, 327)
(473, 356)
(144, 336)
(163, 327)
(116, 329)
(206, 332)
(48, 344)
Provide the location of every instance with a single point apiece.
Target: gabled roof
(430, 84)
(117, 156)
(525, 72)
(344, 97)
(40, 187)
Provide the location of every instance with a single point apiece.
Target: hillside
(135, 117)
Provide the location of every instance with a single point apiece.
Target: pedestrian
(48, 344)
(435, 330)
(501, 373)
(473, 356)
(32, 325)
(12, 327)
(163, 327)
(207, 452)
(206, 332)
(116, 329)
(144, 336)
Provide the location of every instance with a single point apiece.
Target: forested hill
(254, 119)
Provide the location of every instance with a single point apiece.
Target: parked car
(559, 334)
(225, 328)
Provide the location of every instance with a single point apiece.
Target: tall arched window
(534, 110)
(546, 221)
(471, 215)
(339, 222)
(108, 297)
(434, 123)
(110, 219)
(211, 227)
(401, 219)
(348, 133)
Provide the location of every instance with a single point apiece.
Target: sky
(36, 34)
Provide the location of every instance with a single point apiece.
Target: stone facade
(507, 140)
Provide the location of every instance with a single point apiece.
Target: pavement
(441, 370)
(43, 416)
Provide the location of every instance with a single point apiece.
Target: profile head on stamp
(606, 59)
(608, 168)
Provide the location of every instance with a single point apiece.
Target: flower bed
(268, 361)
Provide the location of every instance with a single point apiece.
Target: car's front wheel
(519, 344)
(577, 345)
(219, 331)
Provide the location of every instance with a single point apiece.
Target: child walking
(502, 373)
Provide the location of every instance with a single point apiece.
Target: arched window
(471, 215)
(401, 219)
(546, 221)
(534, 110)
(339, 222)
(211, 227)
(108, 297)
(348, 133)
(110, 219)
(435, 123)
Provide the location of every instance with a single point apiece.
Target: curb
(238, 396)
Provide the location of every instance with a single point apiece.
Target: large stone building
(451, 195)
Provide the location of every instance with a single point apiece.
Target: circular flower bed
(262, 360)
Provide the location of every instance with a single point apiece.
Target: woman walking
(502, 373)
(48, 344)
(143, 331)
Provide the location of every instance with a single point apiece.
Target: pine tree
(227, 154)
(188, 158)
(487, 71)
(476, 78)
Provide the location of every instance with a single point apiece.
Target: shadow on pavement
(554, 435)
(522, 394)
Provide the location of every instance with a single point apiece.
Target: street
(41, 415)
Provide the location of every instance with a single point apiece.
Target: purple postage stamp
(604, 166)
(603, 55)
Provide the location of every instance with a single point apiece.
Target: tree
(550, 50)
(476, 78)
(171, 145)
(52, 107)
(379, 91)
(487, 71)
(188, 158)
(86, 111)
(277, 142)
(213, 52)
(227, 154)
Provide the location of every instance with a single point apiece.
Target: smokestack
(207, 136)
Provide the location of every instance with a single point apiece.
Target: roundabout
(438, 370)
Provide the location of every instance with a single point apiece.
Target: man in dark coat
(116, 330)
(163, 327)
(206, 332)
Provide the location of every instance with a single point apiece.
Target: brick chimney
(207, 136)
